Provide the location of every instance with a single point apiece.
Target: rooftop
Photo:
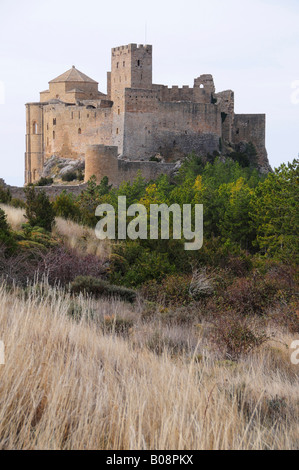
(73, 75)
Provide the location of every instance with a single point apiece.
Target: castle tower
(204, 89)
(131, 67)
(34, 142)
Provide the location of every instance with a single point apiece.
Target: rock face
(137, 117)
(56, 167)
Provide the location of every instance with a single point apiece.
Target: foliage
(39, 210)
(274, 213)
(100, 288)
(235, 336)
(5, 195)
(69, 176)
(43, 181)
(17, 203)
(136, 264)
(6, 236)
(65, 206)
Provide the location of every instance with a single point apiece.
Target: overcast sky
(250, 47)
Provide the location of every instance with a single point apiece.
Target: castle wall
(68, 130)
(51, 191)
(173, 129)
(226, 104)
(103, 161)
(252, 128)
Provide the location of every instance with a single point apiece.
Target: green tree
(234, 219)
(6, 235)
(39, 210)
(65, 206)
(274, 212)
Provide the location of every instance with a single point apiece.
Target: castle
(136, 125)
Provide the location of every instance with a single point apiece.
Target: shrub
(100, 288)
(5, 195)
(250, 295)
(6, 236)
(63, 265)
(235, 336)
(69, 176)
(43, 181)
(66, 207)
(39, 210)
(137, 264)
(17, 203)
(173, 289)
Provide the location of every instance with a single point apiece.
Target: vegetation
(39, 210)
(203, 335)
(110, 380)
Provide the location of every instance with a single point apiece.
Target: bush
(69, 176)
(250, 296)
(100, 288)
(235, 336)
(39, 210)
(172, 290)
(136, 264)
(63, 265)
(44, 181)
(17, 203)
(6, 236)
(66, 207)
(5, 195)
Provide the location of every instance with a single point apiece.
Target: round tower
(100, 161)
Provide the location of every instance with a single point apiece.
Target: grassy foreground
(72, 384)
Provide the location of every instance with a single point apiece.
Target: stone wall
(173, 128)
(51, 191)
(103, 161)
(252, 128)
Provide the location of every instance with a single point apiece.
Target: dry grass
(81, 238)
(75, 236)
(15, 217)
(66, 385)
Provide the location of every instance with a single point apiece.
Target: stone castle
(136, 125)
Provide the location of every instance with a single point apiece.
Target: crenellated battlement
(133, 47)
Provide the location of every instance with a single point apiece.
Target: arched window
(117, 130)
(54, 122)
(79, 131)
(53, 135)
(34, 127)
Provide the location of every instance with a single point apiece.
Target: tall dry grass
(15, 216)
(66, 385)
(76, 236)
(81, 238)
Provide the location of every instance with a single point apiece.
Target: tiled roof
(73, 75)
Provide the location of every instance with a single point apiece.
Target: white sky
(250, 47)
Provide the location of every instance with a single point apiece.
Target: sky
(250, 47)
